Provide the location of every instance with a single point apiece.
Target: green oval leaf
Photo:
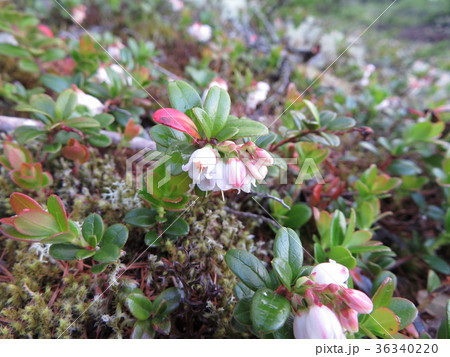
(64, 251)
(404, 309)
(182, 96)
(93, 226)
(217, 106)
(269, 311)
(248, 269)
(141, 217)
(289, 247)
(140, 306)
(117, 235)
(107, 254)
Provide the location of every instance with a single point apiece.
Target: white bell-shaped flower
(317, 322)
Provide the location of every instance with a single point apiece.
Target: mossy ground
(44, 298)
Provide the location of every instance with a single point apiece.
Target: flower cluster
(245, 165)
(329, 307)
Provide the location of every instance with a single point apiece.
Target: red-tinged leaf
(20, 201)
(47, 179)
(75, 151)
(56, 208)
(16, 158)
(36, 223)
(5, 163)
(38, 170)
(8, 220)
(27, 170)
(12, 233)
(63, 237)
(28, 183)
(176, 120)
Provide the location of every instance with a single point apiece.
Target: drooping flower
(102, 76)
(114, 49)
(200, 168)
(79, 13)
(236, 172)
(94, 105)
(220, 177)
(349, 319)
(200, 32)
(258, 95)
(330, 273)
(219, 82)
(318, 321)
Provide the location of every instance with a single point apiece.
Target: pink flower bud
(45, 30)
(227, 146)
(358, 301)
(349, 320)
(333, 288)
(249, 146)
(264, 155)
(317, 322)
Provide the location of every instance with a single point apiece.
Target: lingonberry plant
(32, 223)
(310, 301)
(22, 169)
(65, 121)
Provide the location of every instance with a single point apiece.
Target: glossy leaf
(140, 306)
(93, 226)
(63, 237)
(248, 269)
(217, 105)
(205, 121)
(56, 208)
(176, 120)
(141, 217)
(404, 309)
(384, 294)
(343, 256)
(64, 251)
(242, 311)
(248, 127)
(65, 104)
(171, 298)
(107, 253)
(116, 234)
(283, 271)
(36, 223)
(288, 246)
(269, 311)
(20, 201)
(182, 96)
(383, 322)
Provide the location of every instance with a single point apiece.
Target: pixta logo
(141, 166)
